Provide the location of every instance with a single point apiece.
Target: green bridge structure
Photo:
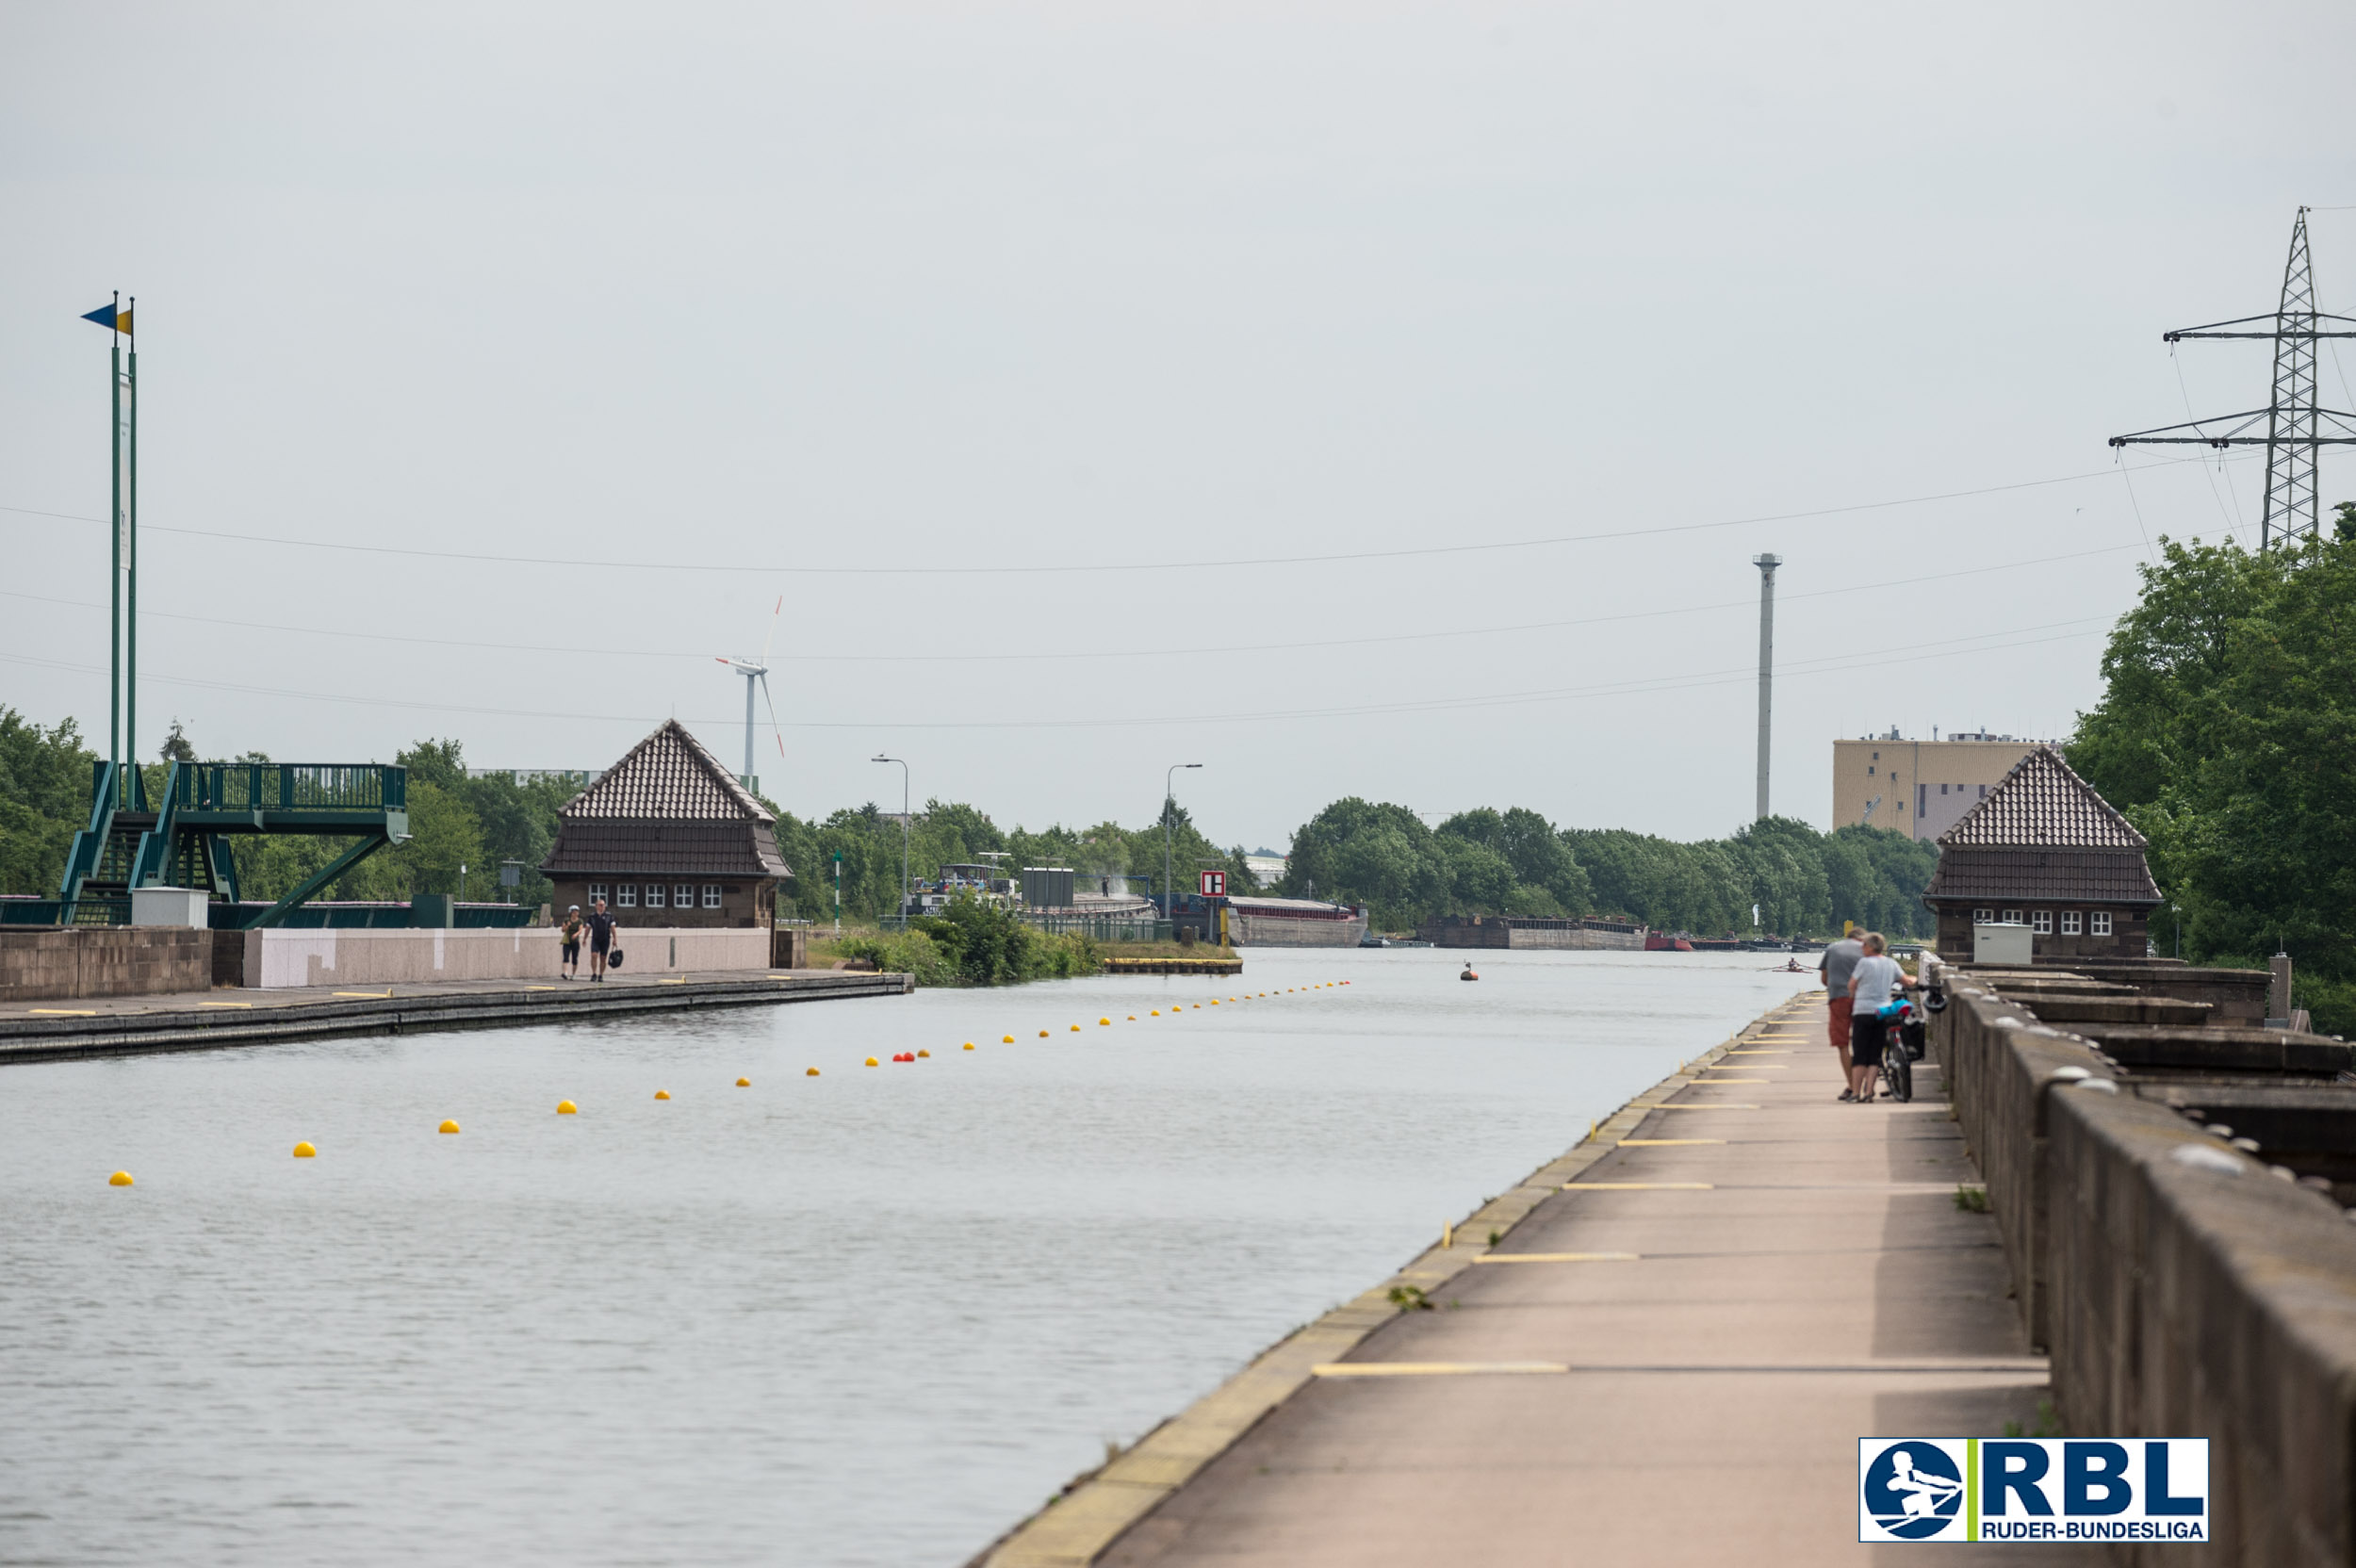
(183, 838)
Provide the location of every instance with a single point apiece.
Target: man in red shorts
(1839, 963)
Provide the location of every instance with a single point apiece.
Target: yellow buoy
(1133, 1017)
(1042, 1034)
(922, 1054)
(1198, 1007)
(304, 1151)
(1008, 1039)
(119, 1178)
(662, 1094)
(1215, 1000)
(1156, 1013)
(743, 1083)
(447, 1127)
(809, 1073)
(1075, 1028)
(871, 1062)
(565, 1107)
(1105, 1020)
(969, 1045)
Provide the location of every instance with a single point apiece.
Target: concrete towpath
(1666, 1358)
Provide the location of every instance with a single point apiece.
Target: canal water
(870, 1317)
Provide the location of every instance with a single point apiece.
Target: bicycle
(1898, 1052)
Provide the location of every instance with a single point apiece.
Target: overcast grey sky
(776, 291)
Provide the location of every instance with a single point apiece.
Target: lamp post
(903, 834)
(1170, 893)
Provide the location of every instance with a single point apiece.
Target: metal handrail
(292, 786)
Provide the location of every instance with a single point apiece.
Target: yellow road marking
(1556, 1257)
(1664, 1143)
(224, 1004)
(1429, 1368)
(1727, 1105)
(1639, 1186)
(681, 981)
(1736, 1079)
(378, 996)
(65, 1012)
(527, 988)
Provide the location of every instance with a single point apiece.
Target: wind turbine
(757, 670)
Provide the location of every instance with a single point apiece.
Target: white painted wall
(279, 959)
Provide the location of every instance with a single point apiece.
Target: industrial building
(1919, 788)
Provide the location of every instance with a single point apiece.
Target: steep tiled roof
(608, 847)
(2043, 803)
(668, 777)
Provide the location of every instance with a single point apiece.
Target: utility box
(2006, 944)
(171, 907)
(1047, 887)
(434, 912)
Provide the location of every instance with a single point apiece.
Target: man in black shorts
(600, 938)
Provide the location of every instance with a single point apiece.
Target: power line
(543, 562)
(1643, 685)
(1092, 655)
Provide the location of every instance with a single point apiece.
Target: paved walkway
(255, 997)
(1712, 1313)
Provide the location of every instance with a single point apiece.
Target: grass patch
(1971, 1199)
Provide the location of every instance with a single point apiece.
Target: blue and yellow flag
(110, 316)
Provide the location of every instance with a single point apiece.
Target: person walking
(568, 959)
(1838, 965)
(1877, 978)
(600, 938)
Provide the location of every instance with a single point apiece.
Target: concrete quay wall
(2180, 1287)
(79, 962)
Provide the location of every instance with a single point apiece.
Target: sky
(1382, 400)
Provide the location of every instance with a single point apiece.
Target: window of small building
(626, 896)
(2101, 921)
(1983, 917)
(683, 896)
(597, 891)
(654, 895)
(2012, 917)
(1869, 773)
(711, 895)
(2072, 921)
(2042, 923)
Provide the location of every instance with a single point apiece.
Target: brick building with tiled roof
(2045, 850)
(668, 837)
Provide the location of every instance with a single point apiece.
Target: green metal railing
(327, 787)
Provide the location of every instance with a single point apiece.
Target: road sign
(1213, 884)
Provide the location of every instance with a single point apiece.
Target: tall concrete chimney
(1766, 564)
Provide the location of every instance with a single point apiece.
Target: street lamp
(904, 833)
(1170, 893)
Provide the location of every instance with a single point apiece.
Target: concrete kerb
(1097, 1509)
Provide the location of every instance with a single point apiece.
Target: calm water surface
(868, 1318)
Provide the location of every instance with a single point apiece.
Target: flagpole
(114, 572)
(131, 616)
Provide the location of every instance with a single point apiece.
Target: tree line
(2226, 734)
(1477, 862)
(1516, 862)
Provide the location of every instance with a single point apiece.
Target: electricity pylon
(2291, 427)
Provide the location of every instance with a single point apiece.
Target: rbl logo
(2033, 1489)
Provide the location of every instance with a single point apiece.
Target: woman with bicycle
(1876, 979)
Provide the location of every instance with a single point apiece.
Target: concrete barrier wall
(104, 960)
(289, 958)
(2205, 1299)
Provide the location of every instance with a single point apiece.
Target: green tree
(2225, 733)
(44, 799)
